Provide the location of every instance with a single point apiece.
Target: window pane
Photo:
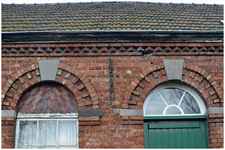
(67, 132)
(189, 105)
(27, 133)
(155, 105)
(172, 96)
(47, 133)
(173, 110)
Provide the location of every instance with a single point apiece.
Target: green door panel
(177, 138)
(191, 138)
(152, 142)
(204, 134)
(171, 135)
(198, 137)
(158, 135)
(165, 138)
(180, 125)
(185, 136)
(176, 134)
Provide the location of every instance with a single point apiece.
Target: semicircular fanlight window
(172, 101)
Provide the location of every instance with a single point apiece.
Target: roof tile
(110, 16)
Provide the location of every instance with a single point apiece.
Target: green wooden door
(176, 134)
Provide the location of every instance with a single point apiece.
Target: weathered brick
(202, 72)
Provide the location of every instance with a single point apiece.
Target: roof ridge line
(113, 2)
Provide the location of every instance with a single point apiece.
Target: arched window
(47, 118)
(174, 117)
(173, 99)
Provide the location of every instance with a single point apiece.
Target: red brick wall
(111, 130)
(8, 132)
(215, 130)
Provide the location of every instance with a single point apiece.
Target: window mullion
(17, 133)
(37, 133)
(163, 99)
(181, 98)
(57, 126)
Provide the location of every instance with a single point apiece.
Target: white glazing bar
(17, 132)
(77, 134)
(57, 126)
(181, 98)
(48, 116)
(37, 133)
(164, 111)
(163, 99)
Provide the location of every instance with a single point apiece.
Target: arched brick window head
(173, 99)
(48, 97)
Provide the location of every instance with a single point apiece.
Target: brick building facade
(106, 76)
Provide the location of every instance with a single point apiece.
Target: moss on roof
(107, 16)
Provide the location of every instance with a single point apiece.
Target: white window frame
(179, 86)
(46, 117)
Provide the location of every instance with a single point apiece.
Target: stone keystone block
(174, 68)
(48, 69)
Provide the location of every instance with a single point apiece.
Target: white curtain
(47, 134)
(67, 135)
(27, 134)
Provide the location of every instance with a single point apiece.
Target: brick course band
(112, 49)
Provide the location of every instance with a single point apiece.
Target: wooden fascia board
(88, 37)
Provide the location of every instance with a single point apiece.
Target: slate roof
(107, 16)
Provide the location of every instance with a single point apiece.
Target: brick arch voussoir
(80, 86)
(17, 83)
(143, 83)
(205, 84)
(24, 78)
(193, 76)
